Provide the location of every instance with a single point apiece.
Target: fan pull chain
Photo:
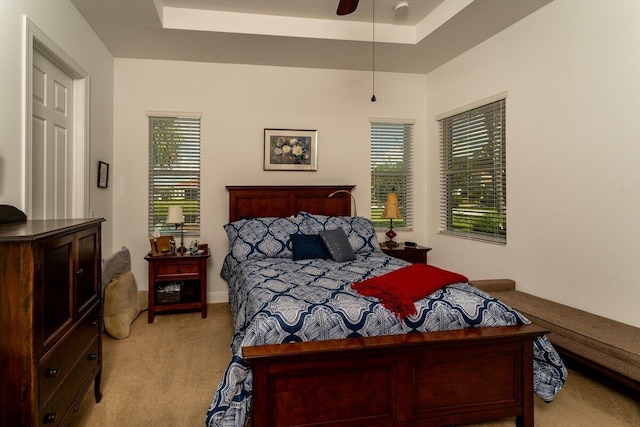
(373, 52)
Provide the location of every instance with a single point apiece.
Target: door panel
(52, 144)
(38, 132)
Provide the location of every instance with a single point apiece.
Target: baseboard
(217, 297)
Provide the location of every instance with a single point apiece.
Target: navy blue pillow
(308, 246)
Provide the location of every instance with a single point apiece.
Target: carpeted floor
(165, 374)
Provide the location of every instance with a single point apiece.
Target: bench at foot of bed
(610, 347)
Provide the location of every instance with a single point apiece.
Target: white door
(52, 140)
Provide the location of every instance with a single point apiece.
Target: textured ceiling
(301, 33)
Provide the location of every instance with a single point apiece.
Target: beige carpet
(165, 374)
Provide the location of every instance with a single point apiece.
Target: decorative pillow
(308, 246)
(338, 245)
(118, 263)
(121, 305)
(360, 231)
(261, 238)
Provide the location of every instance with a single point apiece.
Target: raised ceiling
(301, 33)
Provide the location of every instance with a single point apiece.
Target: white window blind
(473, 185)
(391, 170)
(174, 172)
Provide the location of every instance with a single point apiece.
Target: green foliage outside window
(473, 187)
(391, 170)
(174, 172)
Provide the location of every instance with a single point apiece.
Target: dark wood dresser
(50, 319)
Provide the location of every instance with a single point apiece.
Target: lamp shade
(391, 210)
(175, 215)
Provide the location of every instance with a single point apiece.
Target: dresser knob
(92, 356)
(49, 417)
(52, 372)
(178, 269)
(79, 272)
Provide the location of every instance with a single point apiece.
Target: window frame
(185, 170)
(473, 194)
(384, 133)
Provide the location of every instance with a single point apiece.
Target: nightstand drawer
(173, 269)
(413, 256)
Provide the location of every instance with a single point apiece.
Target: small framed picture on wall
(103, 175)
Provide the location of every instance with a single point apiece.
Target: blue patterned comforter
(277, 300)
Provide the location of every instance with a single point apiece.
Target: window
(174, 171)
(391, 170)
(473, 183)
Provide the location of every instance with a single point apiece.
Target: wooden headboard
(281, 201)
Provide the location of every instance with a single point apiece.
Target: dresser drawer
(177, 269)
(56, 366)
(55, 410)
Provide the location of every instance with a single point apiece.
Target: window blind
(473, 193)
(391, 170)
(174, 172)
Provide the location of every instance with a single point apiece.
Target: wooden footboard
(436, 378)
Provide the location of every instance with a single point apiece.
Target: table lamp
(391, 211)
(175, 216)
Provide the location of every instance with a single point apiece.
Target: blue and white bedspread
(277, 300)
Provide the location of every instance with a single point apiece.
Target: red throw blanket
(399, 289)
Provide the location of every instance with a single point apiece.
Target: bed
(311, 351)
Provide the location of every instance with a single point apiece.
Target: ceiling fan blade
(346, 7)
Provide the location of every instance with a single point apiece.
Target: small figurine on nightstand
(193, 247)
(392, 212)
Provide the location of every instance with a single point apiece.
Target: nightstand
(177, 282)
(413, 254)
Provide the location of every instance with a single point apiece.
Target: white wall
(237, 102)
(62, 23)
(572, 73)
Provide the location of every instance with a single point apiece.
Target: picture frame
(161, 245)
(103, 175)
(291, 150)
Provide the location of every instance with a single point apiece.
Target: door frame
(36, 39)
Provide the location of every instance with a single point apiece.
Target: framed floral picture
(290, 150)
